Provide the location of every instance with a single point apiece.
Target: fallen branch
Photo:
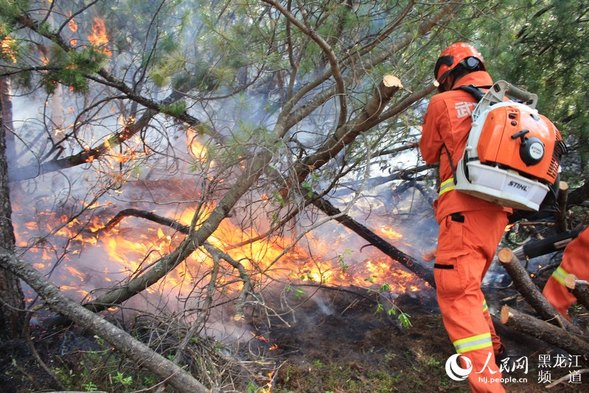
(526, 287)
(88, 155)
(119, 339)
(406, 260)
(579, 288)
(579, 195)
(196, 237)
(148, 216)
(543, 330)
(561, 217)
(402, 174)
(96, 306)
(566, 378)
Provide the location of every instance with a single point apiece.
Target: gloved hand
(429, 255)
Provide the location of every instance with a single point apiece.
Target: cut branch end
(505, 255)
(505, 314)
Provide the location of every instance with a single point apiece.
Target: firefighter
(574, 261)
(469, 228)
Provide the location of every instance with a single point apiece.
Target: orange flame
(132, 247)
(8, 45)
(73, 25)
(99, 37)
(390, 233)
(196, 147)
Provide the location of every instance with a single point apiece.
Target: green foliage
(318, 364)
(10, 9)
(122, 379)
(89, 386)
(103, 369)
(544, 48)
(337, 377)
(278, 199)
(72, 68)
(251, 387)
(392, 309)
(298, 293)
(405, 320)
(167, 68)
(341, 261)
(175, 109)
(309, 185)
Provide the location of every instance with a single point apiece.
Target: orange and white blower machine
(512, 153)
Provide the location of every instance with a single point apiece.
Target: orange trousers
(575, 260)
(466, 245)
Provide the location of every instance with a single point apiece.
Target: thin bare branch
(335, 70)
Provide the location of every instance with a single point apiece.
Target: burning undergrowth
(327, 314)
(326, 281)
(84, 250)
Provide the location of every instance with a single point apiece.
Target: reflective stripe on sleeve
(560, 274)
(447, 185)
(485, 307)
(473, 343)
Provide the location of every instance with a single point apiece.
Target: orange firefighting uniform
(574, 261)
(470, 230)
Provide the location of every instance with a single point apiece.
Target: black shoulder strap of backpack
(478, 94)
(475, 91)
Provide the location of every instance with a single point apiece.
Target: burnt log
(530, 291)
(579, 195)
(406, 260)
(562, 201)
(579, 288)
(545, 331)
(88, 155)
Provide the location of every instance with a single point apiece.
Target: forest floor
(339, 340)
(343, 345)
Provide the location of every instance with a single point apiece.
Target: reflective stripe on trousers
(473, 343)
(447, 185)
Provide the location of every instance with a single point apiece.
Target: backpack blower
(513, 153)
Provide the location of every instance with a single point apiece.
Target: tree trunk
(544, 331)
(561, 214)
(6, 105)
(11, 296)
(526, 287)
(406, 260)
(179, 378)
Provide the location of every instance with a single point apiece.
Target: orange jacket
(574, 261)
(447, 123)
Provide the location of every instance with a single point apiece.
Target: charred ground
(355, 348)
(317, 339)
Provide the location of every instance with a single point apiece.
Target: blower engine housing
(512, 153)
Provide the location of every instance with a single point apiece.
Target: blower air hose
(535, 248)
